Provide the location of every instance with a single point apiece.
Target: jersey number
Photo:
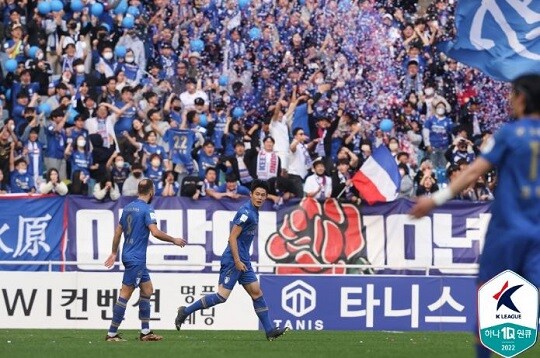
(129, 228)
(180, 143)
(535, 153)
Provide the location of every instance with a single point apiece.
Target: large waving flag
(499, 37)
(378, 178)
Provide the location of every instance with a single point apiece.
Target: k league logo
(298, 298)
(508, 314)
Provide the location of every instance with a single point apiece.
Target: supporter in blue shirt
(168, 186)
(231, 188)
(80, 157)
(56, 143)
(21, 181)
(206, 157)
(154, 169)
(125, 120)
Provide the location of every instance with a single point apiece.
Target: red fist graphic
(315, 233)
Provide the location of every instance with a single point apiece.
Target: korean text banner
(31, 229)
(371, 302)
(307, 232)
(85, 300)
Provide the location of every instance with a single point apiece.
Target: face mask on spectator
(429, 91)
(79, 68)
(107, 55)
(12, 127)
(81, 143)
(65, 79)
(130, 59)
(441, 111)
(156, 163)
(335, 98)
(22, 171)
(319, 81)
(120, 164)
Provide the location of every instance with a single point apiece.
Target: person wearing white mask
(132, 70)
(21, 181)
(437, 134)
(119, 169)
(80, 157)
(106, 63)
(131, 41)
(431, 98)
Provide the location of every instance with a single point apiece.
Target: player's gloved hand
(178, 241)
(110, 260)
(240, 266)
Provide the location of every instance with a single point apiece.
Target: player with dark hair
(137, 221)
(513, 236)
(236, 266)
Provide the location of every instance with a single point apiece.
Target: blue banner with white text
(31, 229)
(499, 37)
(371, 302)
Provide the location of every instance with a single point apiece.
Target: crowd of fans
(204, 96)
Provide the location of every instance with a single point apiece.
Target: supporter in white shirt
(318, 185)
(188, 97)
(280, 127)
(299, 160)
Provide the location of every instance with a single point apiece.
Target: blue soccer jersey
(515, 151)
(136, 218)
(513, 236)
(247, 218)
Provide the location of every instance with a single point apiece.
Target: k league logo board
(508, 314)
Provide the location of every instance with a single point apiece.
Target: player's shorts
(135, 274)
(229, 275)
(517, 252)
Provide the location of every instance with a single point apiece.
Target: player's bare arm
(425, 204)
(233, 237)
(116, 242)
(158, 234)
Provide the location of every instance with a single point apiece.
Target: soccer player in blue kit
(513, 236)
(137, 221)
(236, 265)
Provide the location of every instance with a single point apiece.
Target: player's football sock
(261, 309)
(205, 302)
(119, 310)
(144, 313)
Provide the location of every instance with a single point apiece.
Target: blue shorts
(515, 252)
(229, 275)
(135, 274)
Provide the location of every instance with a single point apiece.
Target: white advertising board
(76, 300)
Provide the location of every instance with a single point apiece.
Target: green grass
(238, 344)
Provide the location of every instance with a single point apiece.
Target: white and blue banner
(318, 234)
(499, 37)
(31, 229)
(371, 302)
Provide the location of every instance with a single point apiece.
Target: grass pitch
(239, 344)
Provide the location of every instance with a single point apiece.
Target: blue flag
(499, 37)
